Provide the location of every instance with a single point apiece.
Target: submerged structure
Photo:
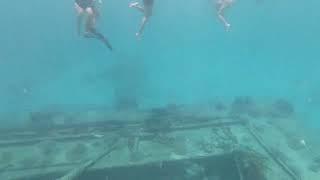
(242, 140)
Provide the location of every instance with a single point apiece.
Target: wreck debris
(77, 172)
(77, 152)
(281, 108)
(282, 164)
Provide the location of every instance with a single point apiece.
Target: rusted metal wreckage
(158, 144)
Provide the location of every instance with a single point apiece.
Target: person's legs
(221, 17)
(79, 11)
(145, 19)
(146, 9)
(221, 7)
(91, 19)
(137, 6)
(147, 14)
(91, 31)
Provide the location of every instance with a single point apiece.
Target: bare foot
(227, 27)
(138, 35)
(133, 4)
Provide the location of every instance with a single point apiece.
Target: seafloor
(241, 140)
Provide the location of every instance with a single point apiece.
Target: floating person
(146, 9)
(221, 6)
(88, 8)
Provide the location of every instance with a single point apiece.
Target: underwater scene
(160, 89)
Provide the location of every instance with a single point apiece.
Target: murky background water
(185, 55)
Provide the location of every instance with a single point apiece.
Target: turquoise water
(185, 55)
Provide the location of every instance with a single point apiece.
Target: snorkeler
(146, 9)
(88, 7)
(221, 5)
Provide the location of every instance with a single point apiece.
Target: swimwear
(84, 4)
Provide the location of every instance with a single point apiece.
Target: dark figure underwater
(88, 8)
